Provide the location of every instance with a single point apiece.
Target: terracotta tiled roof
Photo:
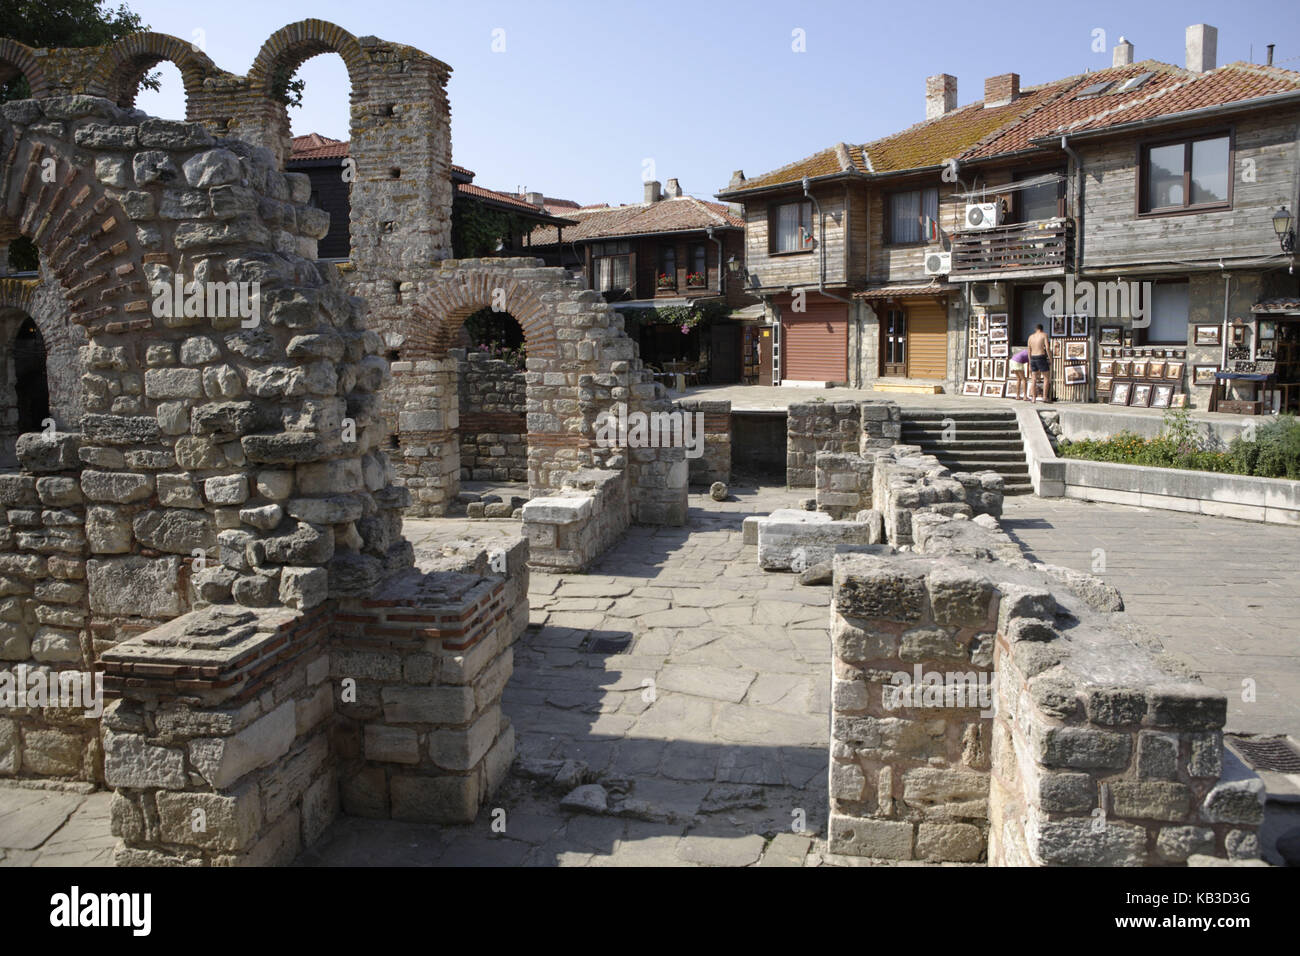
(900, 291)
(316, 146)
(1234, 83)
(974, 132)
(1065, 106)
(1288, 305)
(840, 158)
(935, 141)
(680, 214)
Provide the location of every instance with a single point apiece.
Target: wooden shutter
(927, 340)
(815, 344)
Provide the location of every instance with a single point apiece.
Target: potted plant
(666, 281)
(695, 280)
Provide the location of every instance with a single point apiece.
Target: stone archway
(124, 64)
(580, 364)
(45, 304)
(17, 58)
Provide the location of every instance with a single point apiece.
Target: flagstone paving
(691, 687)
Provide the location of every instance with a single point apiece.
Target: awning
(1276, 307)
(752, 313)
(903, 291)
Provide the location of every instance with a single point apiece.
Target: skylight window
(1095, 90)
(1133, 82)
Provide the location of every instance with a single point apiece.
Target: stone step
(970, 455)
(960, 423)
(985, 442)
(912, 415)
(961, 432)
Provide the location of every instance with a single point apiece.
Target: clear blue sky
(585, 92)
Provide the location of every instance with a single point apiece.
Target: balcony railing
(1046, 245)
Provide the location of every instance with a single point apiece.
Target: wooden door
(893, 342)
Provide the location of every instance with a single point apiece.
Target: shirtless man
(1039, 364)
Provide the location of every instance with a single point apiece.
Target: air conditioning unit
(983, 215)
(986, 293)
(938, 263)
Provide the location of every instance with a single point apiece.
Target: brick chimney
(1202, 47)
(652, 193)
(940, 95)
(673, 190)
(1122, 55)
(1001, 90)
(535, 199)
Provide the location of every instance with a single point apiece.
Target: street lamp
(736, 269)
(1282, 220)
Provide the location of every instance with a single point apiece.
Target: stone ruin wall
(493, 429)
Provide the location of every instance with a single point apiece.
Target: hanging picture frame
(1109, 335)
(1060, 323)
(1141, 395)
(1076, 351)
(1204, 374)
(998, 318)
(983, 351)
(972, 368)
(1076, 374)
(1120, 392)
(1207, 335)
(1161, 395)
(1174, 371)
(1078, 325)
(999, 369)
(998, 350)
(971, 388)
(986, 369)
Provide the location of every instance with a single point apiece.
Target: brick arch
(17, 57)
(118, 74)
(292, 45)
(440, 316)
(87, 243)
(46, 306)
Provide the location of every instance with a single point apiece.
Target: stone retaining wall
(715, 463)
(1097, 749)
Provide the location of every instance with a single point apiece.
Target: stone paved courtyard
(691, 687)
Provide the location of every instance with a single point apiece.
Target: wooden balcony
(1044, 246)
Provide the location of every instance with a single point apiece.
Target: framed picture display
(998, 333)
(1076, 351)
(1123, 369)
(1180, 353)
(998, 349)
(1179, 400)
(972, 368)
(1141, 395)
(983, 347)
(971, 388)
(1126, 353)
(1139, 368)
(1120, 392)
(1109, 335)
(1060, 324)
(1238, 335)
(1128, 338)
(1207, 335)
(999, 370)
(1203, 374)
(1078, 325)
(1161, 395)
(1055, 348)
(1267, 329)
(1155, 369)
(1076, 374)
(998, 318)
(1105, 368)
(1103, 386)
(983, 325)
(993, 389)
(986, 369)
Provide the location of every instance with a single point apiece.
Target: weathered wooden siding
(801, 268)
(1114, 235)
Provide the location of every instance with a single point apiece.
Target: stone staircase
(982, 440)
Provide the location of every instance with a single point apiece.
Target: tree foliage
(477, 231)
